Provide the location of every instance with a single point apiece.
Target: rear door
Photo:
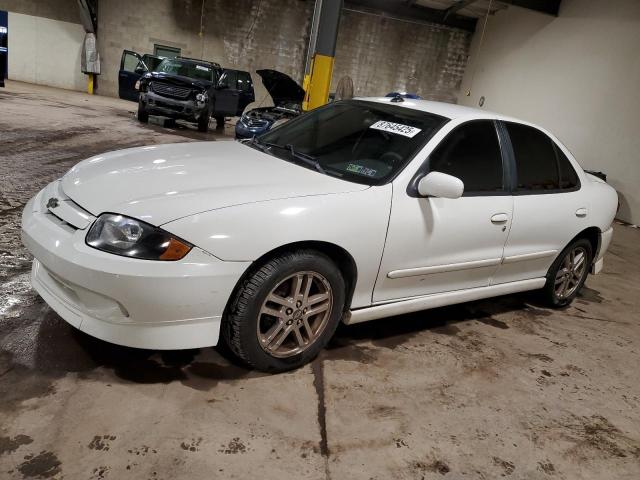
(227, 95)
(131, 69)
(548, 207)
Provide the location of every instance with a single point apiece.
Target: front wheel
(568, 274)
(143, 115)
(203, 122)
(286, 311)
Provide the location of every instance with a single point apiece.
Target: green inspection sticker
(359, 169)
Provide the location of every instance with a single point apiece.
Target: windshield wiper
(308, 159)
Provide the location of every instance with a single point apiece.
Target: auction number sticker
(398, 128)
(201, 67)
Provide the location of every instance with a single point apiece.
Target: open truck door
(131, 69)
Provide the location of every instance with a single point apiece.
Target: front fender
(355, 221)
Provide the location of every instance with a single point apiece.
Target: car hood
(178, 80)
(161, 183)
(282, 88)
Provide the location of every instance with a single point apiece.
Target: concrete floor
(483, 390)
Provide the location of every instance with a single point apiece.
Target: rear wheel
(143, 115)
(285, 312)
(568, 274)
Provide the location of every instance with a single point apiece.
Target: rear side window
(535, 158)
(471, 152)
(568, 176)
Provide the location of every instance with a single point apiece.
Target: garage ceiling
(454, 13)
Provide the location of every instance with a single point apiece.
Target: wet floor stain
(101, 442)
(234, 447)
(43, 465)
(9, 444)
(317, 368)
(589, 295)
(493, 322)
(192, 445)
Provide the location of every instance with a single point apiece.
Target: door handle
(581, 212)
(499, 218)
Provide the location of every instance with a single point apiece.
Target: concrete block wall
(243, 34)
(380, 54)
(383, 54)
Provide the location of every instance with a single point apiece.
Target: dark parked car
(184, 88)
(287, 98)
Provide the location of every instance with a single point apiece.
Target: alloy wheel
(294, 314)
(570, 273)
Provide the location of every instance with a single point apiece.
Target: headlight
(132, 238)
(201, 97)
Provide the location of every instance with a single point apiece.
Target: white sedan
(355, 211)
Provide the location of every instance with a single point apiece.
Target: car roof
(448, 110)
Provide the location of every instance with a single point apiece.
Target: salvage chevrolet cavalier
(358, 210)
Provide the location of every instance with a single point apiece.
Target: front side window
(535, 156)
(359, 141)
(186, 69)
(471, 152)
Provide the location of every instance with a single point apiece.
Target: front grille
(255, 122)
(167, 90)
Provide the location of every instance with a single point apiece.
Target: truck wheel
(203, 123)
(568, 274)
(285, 311)
(143, 115)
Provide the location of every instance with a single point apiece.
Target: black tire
(203, 122)
(220, 123)
(240, 328)
(550, 295)
(143, 115)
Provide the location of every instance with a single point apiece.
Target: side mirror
(438, 184)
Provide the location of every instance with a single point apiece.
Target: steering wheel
(390, 157)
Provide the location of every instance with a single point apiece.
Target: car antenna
(397, 98)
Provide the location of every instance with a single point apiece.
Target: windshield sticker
(200, 67)
(398, 128)
(369, 172)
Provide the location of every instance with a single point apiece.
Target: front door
(437, 244)
(131, 69)
(227, 95)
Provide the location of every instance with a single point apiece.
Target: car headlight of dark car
(129, 237)
(202, 97)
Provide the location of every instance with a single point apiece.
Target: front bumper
(245, 131)
(173, 108)
(131, 302)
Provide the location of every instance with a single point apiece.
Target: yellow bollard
(90, 83)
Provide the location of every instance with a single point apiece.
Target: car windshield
(197, 71)
(359, 141)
